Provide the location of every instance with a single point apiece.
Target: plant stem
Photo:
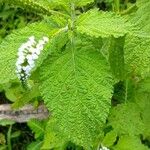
(72, 33)
(9, 138)
(117, 6)
(126, 90)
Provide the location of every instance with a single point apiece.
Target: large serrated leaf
(97, 23)
(77, 87)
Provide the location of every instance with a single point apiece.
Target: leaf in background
(15, 134)
(77, 86)
(5, 122)
(37, 127)
(110, 138)
(137, 45)
(130, 143)
(125, 119)
(51, 138)
(116, 57)
(142, 98)
(102, 24)
(35, 145)
(2, 139)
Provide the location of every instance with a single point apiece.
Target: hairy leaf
(104, 24)
(137, 47)
(76, 87)
(41, 6)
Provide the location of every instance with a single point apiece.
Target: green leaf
(15, 134)
(130, 143)
(38, 127)
(5, 122)
(105, 24)
(137, 46)
(51, 138)
(126, 119)
(35, 145)
(77, 87)
(110, 138)
(67, 3)
(2, 139)
(116, 57)
(142, 2)
(83, 2)
(137, 54)
(23, 96)
(141, 97)
(40, 6)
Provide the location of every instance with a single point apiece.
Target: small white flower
(39, 47)
(32, 65)
(27, 54)
(30, 62)
(32, 38)
(29, 57)
(22, 47)
(46, 39)
(103, 148)
(34, 56)
(32, 50)
(20, 53)
(38, 51)
(41, 42)
(20, 61)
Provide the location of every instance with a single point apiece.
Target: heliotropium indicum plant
(77, 56)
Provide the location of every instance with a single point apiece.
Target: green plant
(83, 56)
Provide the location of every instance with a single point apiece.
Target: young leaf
(77, 87)
(104, 24)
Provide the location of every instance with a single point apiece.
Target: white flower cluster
(27, 54)
(103, 148)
